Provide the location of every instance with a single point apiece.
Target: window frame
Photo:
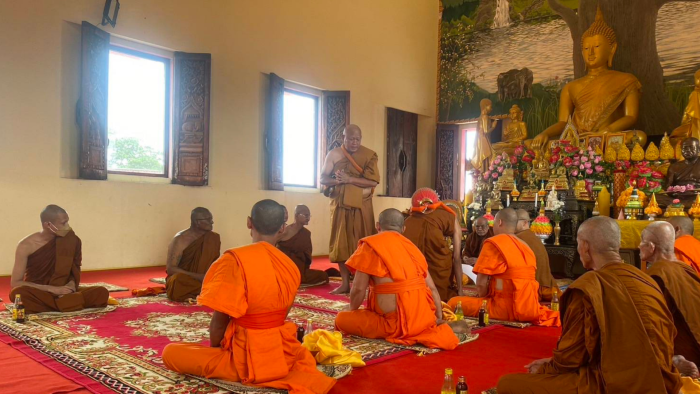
(291, 88)
(168, 111)
(464, 129)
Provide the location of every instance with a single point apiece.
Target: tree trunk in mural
(634, 22)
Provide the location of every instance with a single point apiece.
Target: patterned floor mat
(53, 315)
(110, 287)
(160, 281)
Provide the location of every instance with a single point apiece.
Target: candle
(507, 200)
(536, 197)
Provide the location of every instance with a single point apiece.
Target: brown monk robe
(190, 254)
(543, 275)
(617, 333)
(680, 285)
(47, 269)
(296, 244)
(351, 171)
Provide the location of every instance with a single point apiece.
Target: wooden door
(447, 177)
(402, 135)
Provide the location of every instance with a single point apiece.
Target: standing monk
(543, 275)
(190, 254)
(506, 278)
(427, 226)
(403, 305)
(681, 288)
(251, 290)
(617, 335)
(475, 240)
(351, 170)
(687, 246)
(47, 269)
(296, 244)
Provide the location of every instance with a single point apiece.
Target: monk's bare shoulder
(334, 155)
(31, 243)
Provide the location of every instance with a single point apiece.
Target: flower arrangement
(680, 189)
(541, 226)
(645, 177)
(522, 158)
(625, 196)
(498, 165)
(582, 163)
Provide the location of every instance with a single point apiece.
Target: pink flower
(500, 169)
(531, 152)
(527, 159)
(597, 159)
(598, 168)
(494, 176)
(486, 175)
(582, 167)
(497, 161)
(676, 201)
(491, 167)
(653, 184)
(519, 150)
(670, 189)
(589, 171)
(574, 173)
(567, 161)
(577, 163)
(554, 159)
(641, 183)
(584, 159)
(683, 189)
(690, 187)
(570, 149)
(587, 165)
(513, 160)
(657, 175)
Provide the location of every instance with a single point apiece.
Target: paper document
(469, 271)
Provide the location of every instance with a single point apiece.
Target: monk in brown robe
(296, 244)
(190, 254)
(543, 275)
(46, 273)
(427, 226)
(680, 285)
(475, 240)
(687, 247)
(617, 333)
(351, 172)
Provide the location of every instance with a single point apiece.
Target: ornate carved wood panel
(447, 166)
(336, 115)
(274, 135)
(191, 90)
(402, 134)
(92, 106)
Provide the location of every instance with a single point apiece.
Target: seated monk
(543, 275)
(617, 334)
(683, 173)
(506, 278)
(47, 269)
(251, 290)
(190, 254)
(475, 240)
(403, 305)
(427, 226)
(680, 285)
(296, 244)
(687, 247)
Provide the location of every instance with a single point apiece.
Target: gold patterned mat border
(493, 322)
(490, 391)
(55, 315)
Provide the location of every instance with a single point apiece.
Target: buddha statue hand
(540, 142)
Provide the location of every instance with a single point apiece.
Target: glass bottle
(300, 333)
(18, 310)
(309, 327)
(462, 387)
(459, 313)
(483, 315)
(555, 301)
(448, 385)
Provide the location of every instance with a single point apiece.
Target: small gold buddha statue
(506, 180)
(690, 125)
(483, 151)
(603, 101)
(540, 166)
(495, 198)
(558, 179)
(514, 135)
(580, 190)
(515, 193)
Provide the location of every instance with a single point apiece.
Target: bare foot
(343, 289)
(687, 368)
(459, 326)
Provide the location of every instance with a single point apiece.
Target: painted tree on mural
(634, 22)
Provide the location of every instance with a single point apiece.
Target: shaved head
(51, 213)
(523, 220)
(658, 241)
(602, 232)
(302, 215)
(505, 222)
(682, 225)
(352, 138)
(201, 219)
(267, 217)
(481, 226)
(301, 210)
(391, 220)
(198, 212)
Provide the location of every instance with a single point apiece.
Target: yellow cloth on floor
(690, 386)
(447, 314)
(631, 232)
(327, 348)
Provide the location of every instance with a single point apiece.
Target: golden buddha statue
(514, 135)
(690, 125)
(482, 151)
(506, 180)
(558, 179)
(603, 101)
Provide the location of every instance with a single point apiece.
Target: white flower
(474, 205)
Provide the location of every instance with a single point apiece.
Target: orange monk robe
(617, 337)
(352, 214)
(299, 248)
(688, 251)
(197, 257)
(255, 285)
(56, 264)
(391, 255)
(681, 288)
(543, 275)
(428, 231)
(513, 290)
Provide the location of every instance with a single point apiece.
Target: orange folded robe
(255, 285)
(197, 257)
(391, 255)
(688, 251)
(513, 290)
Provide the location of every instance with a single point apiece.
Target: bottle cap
(461, 379)
(448, 371)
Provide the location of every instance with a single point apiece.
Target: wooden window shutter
(92, 106)
(274, 142)
(336, 116)
(191, 90)
(402, 135)
(447, 178)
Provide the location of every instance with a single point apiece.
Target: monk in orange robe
(251, 289)
(427, 226)
(296, 244)
(506, 278)
(46, 274)
(617, 335)
(687, 246)
(543, 274)
(403, 305)
(190, 254)
(680, 285)
(350, 175)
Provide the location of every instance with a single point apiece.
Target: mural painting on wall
(523, 52)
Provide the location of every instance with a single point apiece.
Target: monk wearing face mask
(46, 273)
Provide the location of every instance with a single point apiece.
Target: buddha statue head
(516, 114)
(485, 106)
(598, 44)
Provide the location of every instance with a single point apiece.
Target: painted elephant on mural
(515, 84)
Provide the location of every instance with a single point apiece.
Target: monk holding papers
(349, 174)
(543, 275)
(403, 305)
(251, 289)
(617, 335)
(687, 246)
(680, 285)
(475, 240)
(506, 278)
(190, 254)
(427, 226)
(296, 244)
(46, 273)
